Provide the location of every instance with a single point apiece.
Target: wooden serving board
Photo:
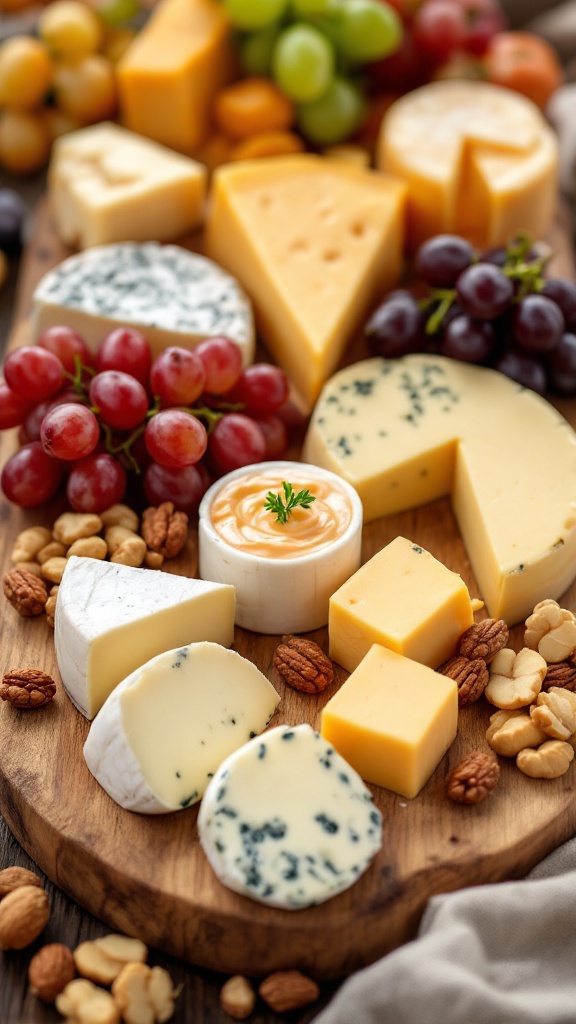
(147, 876)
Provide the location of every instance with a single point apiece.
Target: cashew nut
(120, 515)
(55, 549)
(512, 733)
(130, 552)
(53, 569)
(50, 606)
(89, 547)
(549, 761)
(515, 679)
(85, 1003)
(551, 630)
(555, 713)
(145, 995)
(29, 542)
(70, 526)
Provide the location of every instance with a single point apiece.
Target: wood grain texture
(147, 875)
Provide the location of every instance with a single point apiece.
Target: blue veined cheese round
(174, 296)
(287, 821)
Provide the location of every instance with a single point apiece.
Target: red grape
(538, 323)
(66, 344)
(119, 399)
(466, 339)
(439, 27)
(69, 431)
(95, 483)
(177, 376)
(483, 19)
(262, 388)
(396, 328)
(275, 436)
(222, 361)
(12, 216)
(13, 408)
(562, 290)
(483, 291)
(33, 372)
(184, 487)
(236, 441)
(31, 477)
(524, 368)
(441, 259)
(125, 349)
(562, 366)
(175, 438)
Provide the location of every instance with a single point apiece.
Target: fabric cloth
(492, 954)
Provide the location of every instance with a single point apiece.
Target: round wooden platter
(148, 876)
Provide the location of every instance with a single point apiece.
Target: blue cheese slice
(408, 431)
(287, 821)
(166, 728)
(111, 618)
(175, 297)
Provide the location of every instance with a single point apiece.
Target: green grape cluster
(315, 50)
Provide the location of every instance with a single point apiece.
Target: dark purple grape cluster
(496, 308)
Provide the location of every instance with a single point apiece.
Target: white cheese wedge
(406, 432)
(287, 821)
(165, 729)
(106, 184)
(174, 296)
(111, 618)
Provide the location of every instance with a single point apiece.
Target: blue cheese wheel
(172, 295)
(287, 821)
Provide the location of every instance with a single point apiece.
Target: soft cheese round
(166, 728)
(284, 574)
(405, 432)
(174, 296)
(287, 821)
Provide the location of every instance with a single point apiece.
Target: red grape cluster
(104, 422)
(496, 308)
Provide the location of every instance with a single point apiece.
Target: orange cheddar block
(169, 76)
(314, 242)
(404, 599)
(393, 720)
(479, 160)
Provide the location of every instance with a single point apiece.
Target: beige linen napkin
(492, 954)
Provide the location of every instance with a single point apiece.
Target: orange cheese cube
(393, 720)
(169, 76)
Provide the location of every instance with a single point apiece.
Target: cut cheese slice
(404, 599)
(406, 432)
(479, 160)
(287, 821)
(171, 72)
(314, 242)
(165, 729)
(111, 618)
(393, 720)
(107, 184)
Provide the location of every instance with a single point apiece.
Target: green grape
(333, 117)
(117, 12)
(368, 30)
(303, 63)
(256, 51)
(305, 7)
(254, 14)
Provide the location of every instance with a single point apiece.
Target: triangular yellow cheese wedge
(314, 242)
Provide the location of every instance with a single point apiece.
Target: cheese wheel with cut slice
(479, 161)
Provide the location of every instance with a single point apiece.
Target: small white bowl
(280, 591)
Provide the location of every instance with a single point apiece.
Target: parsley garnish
(274, 502)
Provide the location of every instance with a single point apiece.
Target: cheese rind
(170, 74)
(165, 729)
(314, 242)
(393, 720)
(287, 822)
(406, 432)
(404, 599)
(478, 159)
(111, 618)
(174, 296)
(107, 184)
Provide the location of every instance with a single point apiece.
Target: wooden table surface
(199, 1001)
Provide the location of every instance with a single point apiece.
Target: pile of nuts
(139, 994)
(39, 555)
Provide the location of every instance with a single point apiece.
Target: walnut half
(474, 779)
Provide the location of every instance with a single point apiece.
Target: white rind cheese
(165, 729)
(408, 431)
(111, 618)
(175, 297)
(287, 821)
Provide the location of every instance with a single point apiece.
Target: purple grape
(441, 259)
(12, 211)
(483, 291)
(397, 328)
(466, 339)
(524, 368)
(562, 366)
(537, 323)
(562, 291)
(496, 256)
